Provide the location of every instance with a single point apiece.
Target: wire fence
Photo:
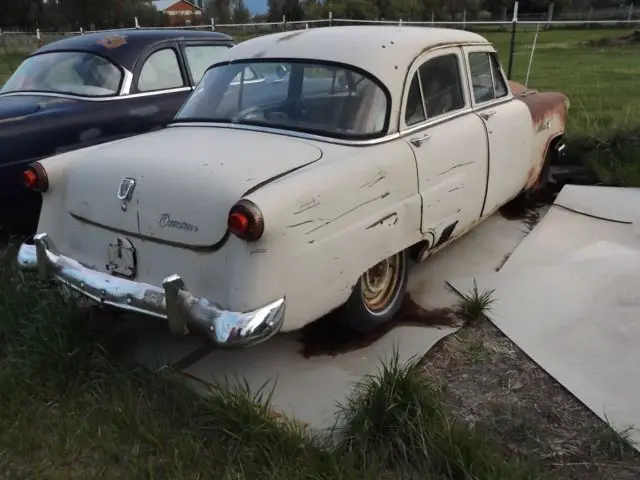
(622, 17)
(593, 57)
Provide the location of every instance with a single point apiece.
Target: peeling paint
(384, 219)
(307, 206)
(324, 224)
(298, 224)
(284, 38)
(379, 178)
(257, 251)
(457, 165)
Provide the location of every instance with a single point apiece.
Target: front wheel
(378, 295)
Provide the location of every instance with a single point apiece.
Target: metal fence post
(213, 25)
(512, 48)
(464, 19)
(284, 23)
(330, 18)
(630, 17)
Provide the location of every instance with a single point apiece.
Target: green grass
(600, 82)
(74, 406)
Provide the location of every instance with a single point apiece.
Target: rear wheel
(378, 295)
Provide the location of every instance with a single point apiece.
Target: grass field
(599, 81)
(73, 406)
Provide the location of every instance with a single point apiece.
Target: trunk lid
(186, 180)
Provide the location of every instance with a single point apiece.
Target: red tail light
(35, 178)
(245, 221)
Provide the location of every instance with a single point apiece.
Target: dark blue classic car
(90, 89)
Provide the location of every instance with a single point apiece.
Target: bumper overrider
(173, 302)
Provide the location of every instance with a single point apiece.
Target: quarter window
(435, 89)
(486, 77)
(414, 113)
(160, 72)
(201, 57)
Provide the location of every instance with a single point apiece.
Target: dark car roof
(124, 46)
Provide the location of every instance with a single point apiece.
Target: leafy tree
(241, 13)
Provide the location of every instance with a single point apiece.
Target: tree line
(100, 14)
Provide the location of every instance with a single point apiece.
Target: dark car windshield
(77, 73)
(317, 98)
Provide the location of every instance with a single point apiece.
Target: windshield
(316, 98)
(77, 73)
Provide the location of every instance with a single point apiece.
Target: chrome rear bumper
(173, 302)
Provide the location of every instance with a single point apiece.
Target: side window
(441, 85)
(499, 83)
(249, 74)
(486, 78)
(160, 72)
(201, 57)
(414, 112)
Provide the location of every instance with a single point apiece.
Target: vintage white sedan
(275, 198)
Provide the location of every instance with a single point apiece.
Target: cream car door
(508, 125)
(449, 143)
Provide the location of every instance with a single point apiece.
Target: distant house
(180, 11)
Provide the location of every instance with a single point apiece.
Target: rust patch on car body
(547, 109)
(112, 41)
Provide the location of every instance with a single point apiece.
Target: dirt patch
(491, 384)
(330, 336)
(631, 39)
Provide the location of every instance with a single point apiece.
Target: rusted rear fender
(542, 105)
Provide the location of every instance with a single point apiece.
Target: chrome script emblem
(125, 191)
(167, 222)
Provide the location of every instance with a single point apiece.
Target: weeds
(73, 407)
(474, 305)
(400, 415)
(612, 443)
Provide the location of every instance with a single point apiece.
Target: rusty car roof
(123, 47)
(384, 51)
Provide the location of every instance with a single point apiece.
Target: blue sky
(256, 6)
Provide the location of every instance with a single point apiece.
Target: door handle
(488, 115)
(417, 141)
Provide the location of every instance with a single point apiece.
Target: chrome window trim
(436, 121)
(126, 82)
(405, 129)
(289, 133)
(121, 96)
(495, 101)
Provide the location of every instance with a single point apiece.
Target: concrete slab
(484, 249)
(579, 321)
(562, 232)
(309, 388)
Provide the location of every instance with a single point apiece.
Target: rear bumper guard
(173, 302)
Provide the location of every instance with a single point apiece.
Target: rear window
(77, 73)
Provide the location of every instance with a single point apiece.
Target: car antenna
(533, 48)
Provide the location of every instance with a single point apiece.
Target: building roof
(123, 47)
(162, 5)
(384, 51)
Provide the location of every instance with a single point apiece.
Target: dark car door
(159, 87)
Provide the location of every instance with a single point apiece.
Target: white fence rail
(628, 21)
